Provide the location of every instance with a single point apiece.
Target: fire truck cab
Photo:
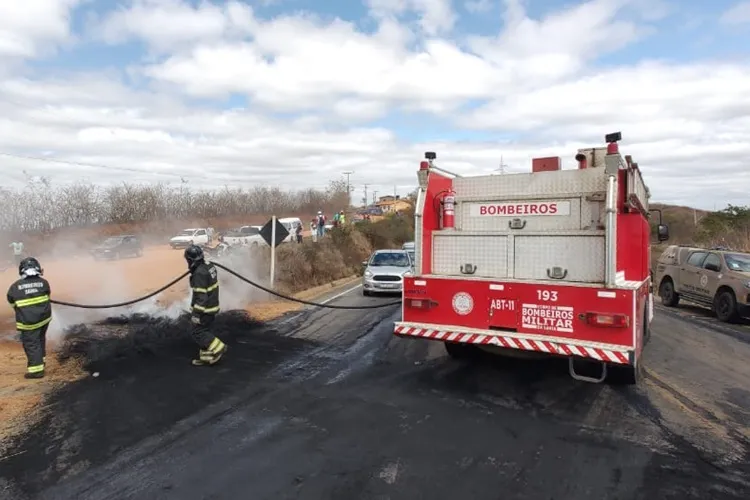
(554, 261)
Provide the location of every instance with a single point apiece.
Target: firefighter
(29, 296)
(204, 306)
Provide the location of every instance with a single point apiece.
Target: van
(291, 224)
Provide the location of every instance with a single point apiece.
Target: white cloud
(174, 25)
(315, 89)
(479, 6)
(33, 27)
(436, 16)
(738, 14)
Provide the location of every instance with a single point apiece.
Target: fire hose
(237, 275)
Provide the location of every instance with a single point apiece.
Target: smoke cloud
(75, 276)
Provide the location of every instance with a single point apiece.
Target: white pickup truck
(192, 236)
(245, 235)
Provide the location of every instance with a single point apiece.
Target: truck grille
(386, 277)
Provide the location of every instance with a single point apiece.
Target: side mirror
(662, 232)
(364, 263)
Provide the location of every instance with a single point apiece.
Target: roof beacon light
(427, 163)
(611, 140)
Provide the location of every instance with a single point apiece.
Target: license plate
(389, 285)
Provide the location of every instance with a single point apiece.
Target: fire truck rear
(554, 261)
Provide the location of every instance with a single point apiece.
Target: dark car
(116, 247)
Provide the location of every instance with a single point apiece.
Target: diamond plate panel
(594, 156)
(530, 186)
(581, 256)
(488, 253)
(583, 215)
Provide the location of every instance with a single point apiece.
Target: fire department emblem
(463, 304)
(704, 281)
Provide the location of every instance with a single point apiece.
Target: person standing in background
(321, 223)
(314, 230)
(342, 218)
(17, 247)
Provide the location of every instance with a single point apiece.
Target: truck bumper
(555, 346)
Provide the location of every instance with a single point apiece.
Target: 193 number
(546, 295)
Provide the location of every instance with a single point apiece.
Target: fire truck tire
(625, 375)
(459, 351)
(725, 306)
(669, 297)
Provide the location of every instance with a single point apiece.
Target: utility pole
(502, 167)
(374, 196)
(348, 187)
(366, 194)
(394, 191)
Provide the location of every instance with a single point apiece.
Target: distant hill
(729, 227)
(684, 222)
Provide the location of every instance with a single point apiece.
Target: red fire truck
(553, 261)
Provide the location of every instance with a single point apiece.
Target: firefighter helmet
(193, 255)
(30, 266)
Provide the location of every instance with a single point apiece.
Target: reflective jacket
(204, 281)
(30, 298)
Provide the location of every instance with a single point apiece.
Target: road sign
(267, 232)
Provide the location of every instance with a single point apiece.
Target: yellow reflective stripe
(32, 302)
(206, 309)
(25, 327)
(35, 369)
(206, 290)
(215, 346)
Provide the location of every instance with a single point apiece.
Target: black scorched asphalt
(144, 384)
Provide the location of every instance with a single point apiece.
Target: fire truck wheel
(725, 306)
(669, 297)
(459, 351)
(625, 375)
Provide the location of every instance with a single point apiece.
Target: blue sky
(218, 83)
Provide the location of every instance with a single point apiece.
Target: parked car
(715, 278)
(116, 247)
(245, 235)
(385, 270)
(192, 236)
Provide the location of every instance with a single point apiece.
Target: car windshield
(187, 232)
(738, 262)
(112, 242)
(394, 259)
(247, 230)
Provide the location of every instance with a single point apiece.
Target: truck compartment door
(503, 312)
(564, 258)
(456, 254)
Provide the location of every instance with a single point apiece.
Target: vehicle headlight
(368, 274)
(747, 284)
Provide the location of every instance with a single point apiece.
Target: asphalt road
(329, 405)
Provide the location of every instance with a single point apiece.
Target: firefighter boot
(212, 355)
(34, 375)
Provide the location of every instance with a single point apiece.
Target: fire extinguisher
(449, 210)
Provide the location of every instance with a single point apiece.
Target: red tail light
(607, 320)
(420, 303)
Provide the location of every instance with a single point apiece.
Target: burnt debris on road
(330, 405)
